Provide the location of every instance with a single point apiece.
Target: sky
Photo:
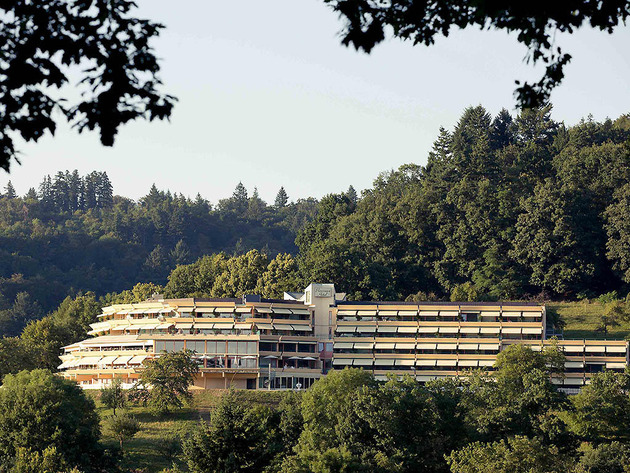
(268, 96)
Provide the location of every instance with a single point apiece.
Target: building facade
(255, 343)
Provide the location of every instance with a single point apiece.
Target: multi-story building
(257, 343)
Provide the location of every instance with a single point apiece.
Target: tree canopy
(45, 43)
(534, 23)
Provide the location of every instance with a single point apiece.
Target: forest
(507, 207)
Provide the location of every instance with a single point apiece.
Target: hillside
(156, 446)
(582, 320)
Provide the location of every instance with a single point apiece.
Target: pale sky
(268, 96)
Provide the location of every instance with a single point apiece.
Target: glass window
(242, 347)
(178, 345)
(232, 347)
(266, 346)
(251, 347)
(160, 345)
(211, 347)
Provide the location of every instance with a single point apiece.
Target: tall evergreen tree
(281, 198)
(10, 190)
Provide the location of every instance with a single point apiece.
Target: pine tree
(74, 190)
(240, 199)
(105, 191)
(89, 191)
(45, 193)
(10, 191)
(60, 192)
(31, 194)
(352, 195)
(281, 198)
(255, 206)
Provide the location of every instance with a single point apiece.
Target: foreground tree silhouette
(535, 22)
(44, 41)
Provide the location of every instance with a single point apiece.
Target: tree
(422, 22)
(43, 41)
(618, 230)
(122, 426)
(169, 378)
(241, 275)
(614, 314)
(281, 198)
(281, 275)
(16, 355)
(39, 410)
(10, 191)
(113, 396)
(236, 439)
(602, 408)
(611, 457)
(516, 455)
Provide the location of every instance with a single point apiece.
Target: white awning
(488, 346)
(204, 325)
(185, 326)
(88, 360)
(407, 329)
(511, 314)
(241, 310)
(449, 313)
(283, 327)
(422, 329)
(364, 345)
(490, 329)
(405, 362)
(384, 362)
(405, 346)
(341, 361)
(615, 349)
(164, 326)
(224, 325)
(425, 346)
(367, 313)
(573, 381)
(362, 362)
(596, 349)
(446, 362)
(123, 360)
(108, 360)
(387, 313)
(573, 364)
(345, 329)
(386, 329)
(447, 346)
(345, 345)
(538, 315)
(383, 346)
(532, 330)
(448, 329)
(225, 310)
(347, 312)
(366, 328)
(468, 347)
(516, 330)
(138, 359)
(281, 311)
(242, 326)
(407, 313)
(467, 363)
(469, 329)
(486, 362)
(301, 311)
(264, 326)
(614, 365)
(573, 348)
(425, 362)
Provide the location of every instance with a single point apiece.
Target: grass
(152, 449)
(582, 318)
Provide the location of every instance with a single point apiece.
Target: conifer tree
(10, 190)
(281, 198)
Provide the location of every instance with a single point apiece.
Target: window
(232, 347)
(178, 345)
(242, 347)
(266, 346)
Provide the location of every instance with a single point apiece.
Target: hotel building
(256, 343)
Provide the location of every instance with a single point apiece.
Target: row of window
(206, 346)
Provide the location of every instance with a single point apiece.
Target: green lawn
(582, 318)
(151, 450)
